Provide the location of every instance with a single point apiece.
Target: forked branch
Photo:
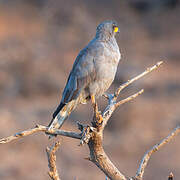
(147, 155)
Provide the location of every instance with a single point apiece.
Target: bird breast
(106, 68)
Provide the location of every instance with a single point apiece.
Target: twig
(53, 173)
(129, 98)
(147, 155)
(148, 70)
(39, 128)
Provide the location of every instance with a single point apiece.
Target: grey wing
(82, 74)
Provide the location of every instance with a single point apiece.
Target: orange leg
(94, 104)
(99, 117)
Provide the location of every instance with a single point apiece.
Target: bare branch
(101, 160)
(53, 173)
(67, 134)
(39, 128)
(129, 98)
(22, 134)
(148, 70)
(147, 155)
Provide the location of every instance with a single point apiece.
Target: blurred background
(39, 41)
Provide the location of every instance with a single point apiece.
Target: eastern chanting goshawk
(92, 74)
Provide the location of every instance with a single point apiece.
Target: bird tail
(60, 115)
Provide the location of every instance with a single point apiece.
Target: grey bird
(92, 74)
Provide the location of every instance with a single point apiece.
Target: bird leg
(98, 115)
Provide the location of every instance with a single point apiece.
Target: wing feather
(82, 74)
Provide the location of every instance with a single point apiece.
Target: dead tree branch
(53, 173)
(147, 155)
(148, 70)
(39, 128)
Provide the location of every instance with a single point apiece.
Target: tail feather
(61, 105)
(58, 121)
(60, 115)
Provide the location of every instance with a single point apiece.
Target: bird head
(107, 29)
